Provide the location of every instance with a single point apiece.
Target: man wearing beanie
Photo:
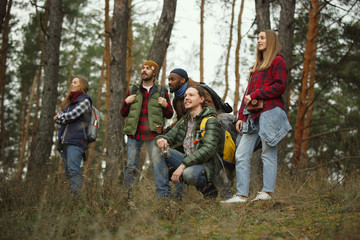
(145, 107)
(178, 83)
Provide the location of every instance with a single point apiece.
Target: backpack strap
(201, 131)
(162, 91)
(85, 118)
(134, 89)
(203, 124)
(95, 111)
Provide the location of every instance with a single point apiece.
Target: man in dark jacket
(178, 83)
(145, 110)
(198, 164)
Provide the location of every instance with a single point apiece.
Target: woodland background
(317, 188)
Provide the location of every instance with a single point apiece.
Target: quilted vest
(155, 112)
(74, 132)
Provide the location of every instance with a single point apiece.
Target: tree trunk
(237, 61)
(129, 51)
(105, 73)
(3, 56)
(39, 158)
(163, 33)
(89, 160)
(22, 121)
(299, 128)
(115, 140)
(101, 153)
(25, 137)
(43, 22)
(262, 8)
(228, 52)
(286, 36)
(107, 99)
(73, 54)
(202, 40)
(311, 91)
(163, 75)
(3, 4)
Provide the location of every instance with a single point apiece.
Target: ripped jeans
(244, 151)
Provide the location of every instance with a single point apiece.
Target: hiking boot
(235, 199)
(210, 191)
(261, 196)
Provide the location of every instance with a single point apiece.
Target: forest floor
(308, 209)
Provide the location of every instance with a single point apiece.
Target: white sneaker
(261, 196)
(235, 199)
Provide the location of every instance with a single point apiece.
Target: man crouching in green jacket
(198, 164)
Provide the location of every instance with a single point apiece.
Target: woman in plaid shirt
(73, 118)
(267, 82)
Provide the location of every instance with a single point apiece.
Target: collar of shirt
(147, 88)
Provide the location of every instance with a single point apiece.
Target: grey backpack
(94, 126)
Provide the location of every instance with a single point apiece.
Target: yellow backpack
(228, 153)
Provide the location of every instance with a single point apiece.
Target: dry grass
(301, 209)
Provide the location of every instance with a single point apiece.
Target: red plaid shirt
(143, 130)
(268, 85)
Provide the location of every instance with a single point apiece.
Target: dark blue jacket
(74, 132)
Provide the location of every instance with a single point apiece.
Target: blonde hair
(84, 88)
(265, 58)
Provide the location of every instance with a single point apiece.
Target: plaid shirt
(80, 109)
(188, 142)
(143, 131)
(268, 85)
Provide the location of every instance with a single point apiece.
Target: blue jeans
(164, 174)
(133, 148)
(243, 155)
(193, 175)
(71, 158)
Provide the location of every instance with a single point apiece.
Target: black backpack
(218, 102)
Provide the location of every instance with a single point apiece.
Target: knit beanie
(181, 72)
(153, 65)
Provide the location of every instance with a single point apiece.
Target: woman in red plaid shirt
(269, 125)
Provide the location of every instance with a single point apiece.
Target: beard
(173, 88)
(146, 78)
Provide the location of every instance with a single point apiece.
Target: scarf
(73, 95)
(181, 91)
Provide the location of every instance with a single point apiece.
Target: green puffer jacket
(208, 146)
